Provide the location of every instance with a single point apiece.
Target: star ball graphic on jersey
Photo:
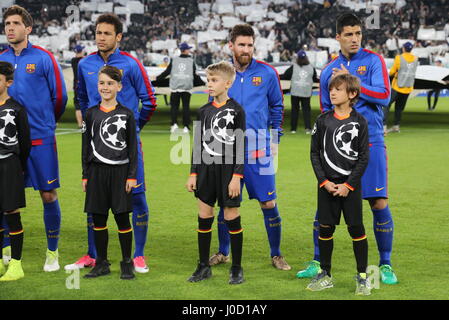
(345, 140)
(113, 132)
(8, 130)
(221, 129)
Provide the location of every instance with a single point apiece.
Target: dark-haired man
(136, 88)
(375, 94)
(257, 88)
(38, 86)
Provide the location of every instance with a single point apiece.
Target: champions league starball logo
(222, 124)
(112, 132)
(221, 129)
(345, 139)
(8, 131)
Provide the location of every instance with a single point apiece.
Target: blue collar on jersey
(354, 57)
(29, 46)
(251, 66)
(112, 56)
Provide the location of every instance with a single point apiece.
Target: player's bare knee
(49, 196)
(378, 204)
(268, 204)
(231, 213)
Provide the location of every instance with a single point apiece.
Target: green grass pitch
(418, 175)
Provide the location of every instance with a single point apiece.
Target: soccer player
(39, 86)
(403, 73)
(15, 146)
(339, 153)
(370, 68)
(217, 169)
(257, 88)
(109, 147)
(136, 87)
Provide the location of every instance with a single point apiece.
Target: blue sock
(92, 251)
(383, 230)
(223, 234)
(273, 225)
(6, 240)
(140, 219)
(52, 221)
(316, 233)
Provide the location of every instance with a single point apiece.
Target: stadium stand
(155, 28)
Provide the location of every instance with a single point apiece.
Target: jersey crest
(257, 81)
(31, 67)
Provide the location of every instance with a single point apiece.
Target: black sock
(360, 246)
(326, 245)
(15, 234)
(125, 235)
(236, 236)
(204, 238)
(101, 236)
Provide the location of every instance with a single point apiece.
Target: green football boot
(387, 274)
(313, 267)
(320, 282)
(14, 272)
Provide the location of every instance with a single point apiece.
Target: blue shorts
(374, 180)
(42, 167)
(140, 173)
(259, 179)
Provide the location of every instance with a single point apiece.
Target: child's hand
(191, 184)
(130, 184)
(330, 187)
(234, 187)
(342, 190)
(84, 185)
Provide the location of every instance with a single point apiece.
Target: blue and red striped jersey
(375, 88)
(136, 84)
(258, 91)
(38, 86)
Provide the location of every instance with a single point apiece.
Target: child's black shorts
(212, 185)
(330, 207)
(12, 187)
(106, 189)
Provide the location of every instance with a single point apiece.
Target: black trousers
(305, 107)
(400, 100)
(429, 98)
(175, 99)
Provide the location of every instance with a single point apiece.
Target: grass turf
(418, 200)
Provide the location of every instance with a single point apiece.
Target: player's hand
(274, 149)
(130, 184)
(337, 72)
(342, 191)
(191, 184)
(330, 187)
(84, 185)
(234, 187)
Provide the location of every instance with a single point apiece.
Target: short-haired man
(257, 89)
(136, 88)
(370, 68)
(38, 86)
